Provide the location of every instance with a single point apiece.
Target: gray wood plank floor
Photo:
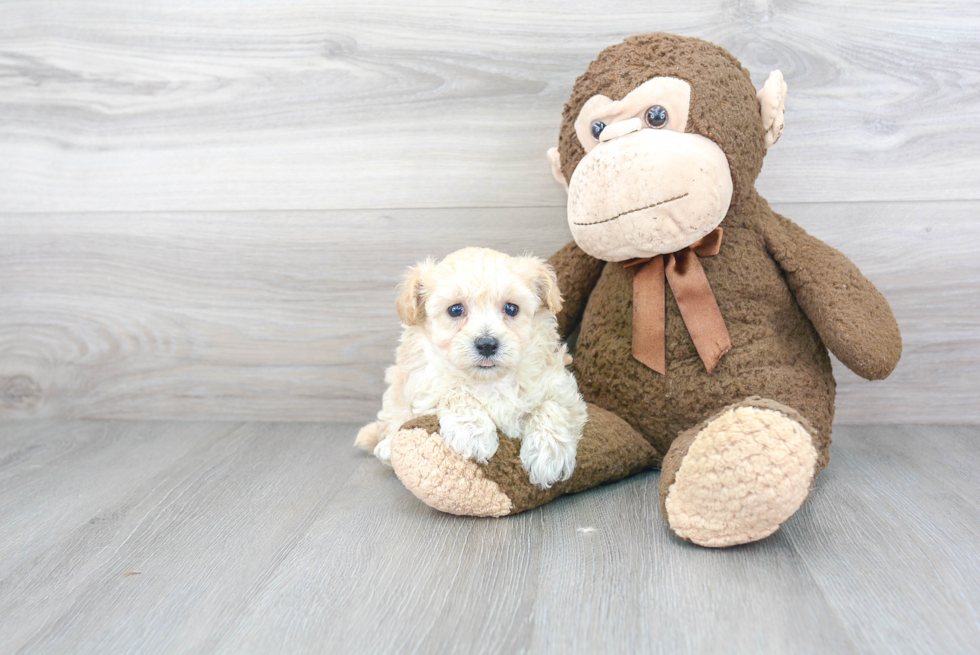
(260, 537)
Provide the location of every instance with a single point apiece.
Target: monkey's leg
(609, 450)
(738, 476)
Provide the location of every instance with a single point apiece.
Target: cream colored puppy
(480, 350)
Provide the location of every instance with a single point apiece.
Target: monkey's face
(645, 186)
(661, 136)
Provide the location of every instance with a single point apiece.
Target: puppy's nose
(486, 346)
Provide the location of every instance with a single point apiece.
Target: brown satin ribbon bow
(697, 303)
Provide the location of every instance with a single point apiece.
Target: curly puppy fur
(498, 363)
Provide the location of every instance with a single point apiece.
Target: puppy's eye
(511, 309)
(456, 310)
(597, 129)
(656, 116)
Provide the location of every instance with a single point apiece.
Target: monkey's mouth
(632, 211)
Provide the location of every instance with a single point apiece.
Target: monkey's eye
(656, 116)
(597, 129)
(511, 309)
(456, 310)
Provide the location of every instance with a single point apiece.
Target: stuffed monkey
(704, 317)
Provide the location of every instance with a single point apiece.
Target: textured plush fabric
(440, 477)
(853, 319)
(772, 100)
(777, 351)
(724, 107)
(672, 94)
(782, 293)
(609, 450)
(577, 276)
(678, 180)
(738, 476)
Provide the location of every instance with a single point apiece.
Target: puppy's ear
(544, 282)
(410, 303)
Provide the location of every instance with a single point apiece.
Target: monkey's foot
(438, 476)
(737, 477)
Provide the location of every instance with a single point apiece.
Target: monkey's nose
(620, 128)
(486, 346)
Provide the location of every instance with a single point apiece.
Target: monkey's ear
(772, 100)
(410, 303)
(555, 160)
(544, 282)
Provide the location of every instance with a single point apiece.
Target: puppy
(480, 350)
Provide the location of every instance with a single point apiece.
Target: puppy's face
(478, 307)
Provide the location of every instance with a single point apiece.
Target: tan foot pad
(443, 479)
(744, 473)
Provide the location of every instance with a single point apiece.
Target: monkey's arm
(577, 276)
(851, 316)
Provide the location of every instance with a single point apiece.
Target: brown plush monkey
(702, 346)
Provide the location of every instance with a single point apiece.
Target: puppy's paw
(383, 451)
(474, 436)
(547, 458)
(369, 436)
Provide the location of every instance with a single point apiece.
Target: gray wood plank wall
(204, 207)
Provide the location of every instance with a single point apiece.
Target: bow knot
(699, 309)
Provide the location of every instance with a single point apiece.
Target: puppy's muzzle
(486, 346)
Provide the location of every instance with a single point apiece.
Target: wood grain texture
(284, 538)
(175, 105)
(204, 208)
(893, 534)
(232, 499)
(43, 480)
(289, 315)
